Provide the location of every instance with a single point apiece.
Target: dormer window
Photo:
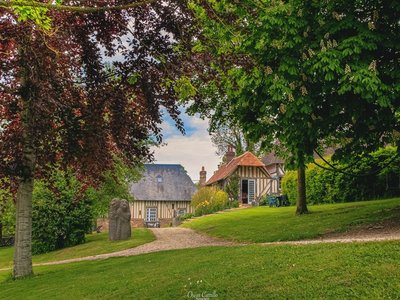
(159, 179)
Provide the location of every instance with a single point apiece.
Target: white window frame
(251, 195)
(151, 214)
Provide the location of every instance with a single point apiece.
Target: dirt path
(183, 238)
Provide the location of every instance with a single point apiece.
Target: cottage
(165, 191)
(255, 181)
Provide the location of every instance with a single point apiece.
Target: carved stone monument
(119, 217)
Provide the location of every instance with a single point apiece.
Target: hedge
(370, 177)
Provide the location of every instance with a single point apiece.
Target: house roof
(163, 182)
(271, 158)
(247, 159)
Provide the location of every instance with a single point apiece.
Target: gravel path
(166, 239)
(183, 238)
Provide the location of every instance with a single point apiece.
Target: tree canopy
(308, 74)
(63, 104)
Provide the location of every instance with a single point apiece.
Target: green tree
(115, 184)
(59, 104)
(231, 134)
(306, 73)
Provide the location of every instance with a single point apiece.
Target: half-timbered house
(253, 176)
(164, 192)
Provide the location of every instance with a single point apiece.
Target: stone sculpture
(119, 217)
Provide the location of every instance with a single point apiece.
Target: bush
(186, 216)
(263, 201)
(61, 214)
(233, 204)
(370, 177)
(208, 200)
(7, 213)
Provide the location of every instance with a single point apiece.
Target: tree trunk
(23, 228)
(301, 192)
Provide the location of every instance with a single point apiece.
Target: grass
(265, 224)
(326, 271)
(95, 244)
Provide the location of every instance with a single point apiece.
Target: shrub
(289, 186)
(186, 216)
(208, 200)
(232, 187)
(370, 177)
(61, 214)
(7, 213)
(233, 204)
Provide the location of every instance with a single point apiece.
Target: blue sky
(192, 150)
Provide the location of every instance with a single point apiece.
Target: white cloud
(192, 152)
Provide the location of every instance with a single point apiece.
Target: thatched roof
(163, 182)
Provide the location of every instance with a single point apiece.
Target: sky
(192, 150)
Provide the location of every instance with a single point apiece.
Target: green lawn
(96, 244)
(265, 224)
(338, 271)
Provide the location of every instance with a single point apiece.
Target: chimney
(203, 177)
(230, 154)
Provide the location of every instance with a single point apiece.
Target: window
(151, 214)
(159, 179)
(181, 211)
(252, 190)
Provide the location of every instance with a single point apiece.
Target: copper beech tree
(62, 104)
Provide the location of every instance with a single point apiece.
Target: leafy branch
(81, 9)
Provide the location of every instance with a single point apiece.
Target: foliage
(67, 96)
(114, 185)
(263, 201)
(232, 187)
(186, 216)
(366, 177)
(208, 200)
(7, 213)
(231, 134)
(289, 185)
(264, 224)
(95, 244)
(36, 14)
(306, 73)
(301, 75)
(61, 214)
(102, 112)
